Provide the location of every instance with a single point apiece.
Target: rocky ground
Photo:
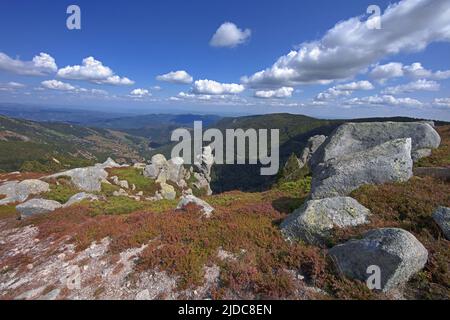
(154, 231)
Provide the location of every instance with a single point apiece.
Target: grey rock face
(397, 253)
(202, 170)
(37, 206)
(388, 162)
(20, 191)
(206, 208)
(354, 137)
(313, 144)
(442, 217)
(314, 221)
(80, 197)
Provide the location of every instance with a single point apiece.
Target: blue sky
(338, 66)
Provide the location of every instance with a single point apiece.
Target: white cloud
(180, 77)
(94, 71)
(11, 86)
(41, 65)
(350, 47)
(221, 99)
(211, 87)
(419, 85)
(384, 100)
(57, 85)
(382, 73)
(229, 35)
(442, 102)
(140, 93)
(284, 92)
(344, 90)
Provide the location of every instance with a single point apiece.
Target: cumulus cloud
(419, 85)
(344, 90)
(350, 47)
(211, 87)
(140, 93)
(383, 100)
(57, 85)
(180, 77)
(41, 65)
(229, 35)
(381, 73)
(94, 71)
(442, 102)
(283, 92)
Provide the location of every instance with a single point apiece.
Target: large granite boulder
(187, 199)
(388, 162)
(314, 221)
(15, 191)
(175, 170)
(397, 253)
(168, 192)
(355, 137)
(80, 197)
(313, 144)
(158, 163)
(442, 217)
(88, 179)
(37, 206)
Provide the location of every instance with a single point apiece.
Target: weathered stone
(442, 217)
(388, 162)
(87, 179)
(124, 184)
(120, 193)
(80, 197)
(355, 137)
(313, 144)
(20, 191)
(314, 221)
(175, 169)
(168, 192)
(37, 206)
(187, 199)
(157, 164)
(397, 253)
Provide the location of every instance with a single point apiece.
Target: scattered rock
(37, 206)
(168, 192)
(124, 184)
(20, 191)
(442, 217)
(355, 137)
(397, 253)
(314, 221)
(120, 193)
(158, 162)
(206, 208)
(80, 197)
(388, 162)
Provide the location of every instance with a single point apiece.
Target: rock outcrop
(202, 170)
(88, 179)
(15, 191)
(187, 199)
(313, 144)
(37, 206)
(388, 162)
(397, 253)
(442, 218)
(350, 138)
(80, 197)
(314, 221)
